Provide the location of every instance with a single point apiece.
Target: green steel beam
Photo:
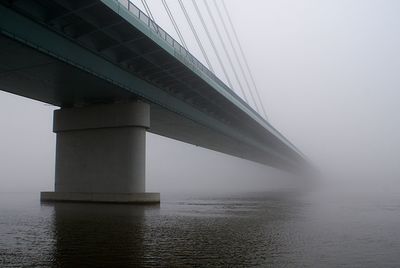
(15, 26)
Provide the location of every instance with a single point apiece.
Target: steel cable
(195, 35)
(236, 55)
(225, 49)
(212, 42)
(171, 17)
(244, 57)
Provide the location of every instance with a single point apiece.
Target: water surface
(251, 230)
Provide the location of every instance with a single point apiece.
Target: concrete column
(100, 154)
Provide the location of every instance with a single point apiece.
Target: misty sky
(328, 72)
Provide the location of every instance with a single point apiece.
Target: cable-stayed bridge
(116, 74)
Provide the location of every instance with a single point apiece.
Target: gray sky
(328, 75)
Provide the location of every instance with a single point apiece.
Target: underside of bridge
(115, 79)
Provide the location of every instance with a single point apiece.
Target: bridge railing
(179, 49)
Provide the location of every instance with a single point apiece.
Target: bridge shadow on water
(224, 231)
(93, 235)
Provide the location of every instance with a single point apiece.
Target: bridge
(116, 74)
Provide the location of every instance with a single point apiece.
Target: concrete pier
(100, 154)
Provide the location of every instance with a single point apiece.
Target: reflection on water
(200, 232)
(232, 230)
(94, 234)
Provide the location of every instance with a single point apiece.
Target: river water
(320, 229)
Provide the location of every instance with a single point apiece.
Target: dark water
(251, 230)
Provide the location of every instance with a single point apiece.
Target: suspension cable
(236, 55)
(225, 49)
(244, 57)
(148, 11)
(196, 35)
(150, 15)
(171, 17)
(212, 42)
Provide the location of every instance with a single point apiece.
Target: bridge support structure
(100, 154)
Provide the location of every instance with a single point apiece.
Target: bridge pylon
(101, 154)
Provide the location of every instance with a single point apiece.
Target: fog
(328, 76)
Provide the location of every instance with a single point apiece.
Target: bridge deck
(71, 53)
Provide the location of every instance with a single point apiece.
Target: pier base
(100, 154)
(138, 198)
